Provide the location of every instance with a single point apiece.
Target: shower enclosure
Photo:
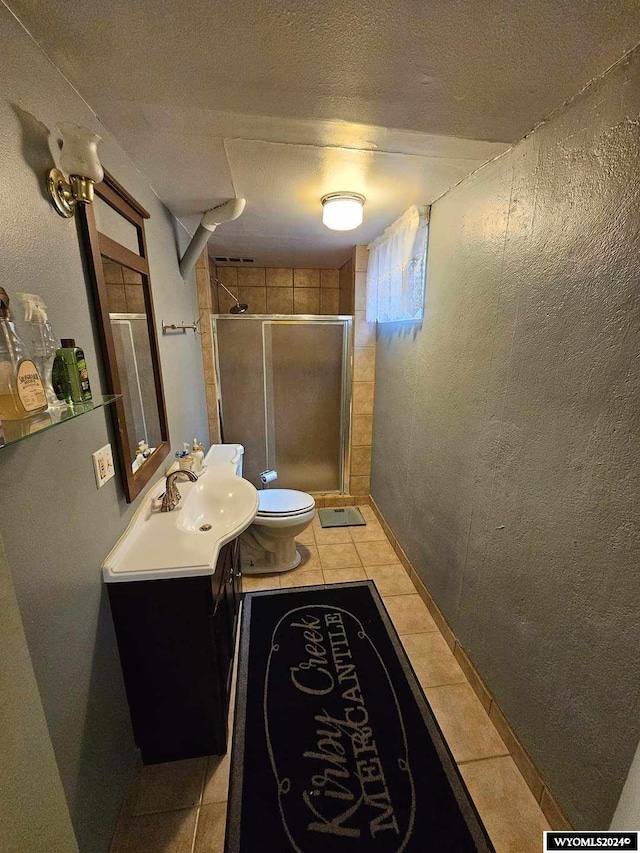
(284, 394)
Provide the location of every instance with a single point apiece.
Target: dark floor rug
(335, 746)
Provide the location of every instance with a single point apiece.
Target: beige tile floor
(181, 807)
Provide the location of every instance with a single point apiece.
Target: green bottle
(70, 376)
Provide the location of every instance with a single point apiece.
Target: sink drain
(205, 527)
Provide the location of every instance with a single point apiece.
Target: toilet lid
(283, 502)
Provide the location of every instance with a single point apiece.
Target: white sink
(159, 545)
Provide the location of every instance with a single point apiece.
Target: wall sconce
(79, 159)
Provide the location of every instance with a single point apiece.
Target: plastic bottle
(42, 342)
(21, 390)
(197, 452)
(184, 457)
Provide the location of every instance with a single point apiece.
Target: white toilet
(269, 544)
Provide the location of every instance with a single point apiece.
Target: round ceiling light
(342, 211)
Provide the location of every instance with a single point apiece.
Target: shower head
(225, 212)
(239, 307)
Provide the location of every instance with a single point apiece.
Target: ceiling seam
(94, 113)
(362, 150)
(229, 167)
(586, 86)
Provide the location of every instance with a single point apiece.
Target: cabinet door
(222, 620)
(170, 667)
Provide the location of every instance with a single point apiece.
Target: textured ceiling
(193, 88)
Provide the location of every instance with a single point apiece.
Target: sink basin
(186, 542)
(218, 502)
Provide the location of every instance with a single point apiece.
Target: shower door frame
(346, 403)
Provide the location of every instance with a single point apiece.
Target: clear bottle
(21, 390)
(42, 342)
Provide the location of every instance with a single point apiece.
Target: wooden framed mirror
(117, 257)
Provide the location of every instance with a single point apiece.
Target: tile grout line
(484, 758)
(195, 829)
(168, 810)
(203, 784)
(436, 686)
(435, 630)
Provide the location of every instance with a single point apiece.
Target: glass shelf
(11, 432)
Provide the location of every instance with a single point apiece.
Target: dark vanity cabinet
(176, 643)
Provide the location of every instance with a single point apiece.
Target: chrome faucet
(172, 496)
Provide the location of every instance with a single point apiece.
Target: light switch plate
(103, 465)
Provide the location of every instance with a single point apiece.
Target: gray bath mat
(347, 516)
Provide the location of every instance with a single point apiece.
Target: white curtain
(397, 268)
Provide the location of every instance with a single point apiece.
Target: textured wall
(57, 527)
(506, 436)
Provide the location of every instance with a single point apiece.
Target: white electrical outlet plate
(103, 465)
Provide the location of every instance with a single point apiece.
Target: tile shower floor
(180, 807)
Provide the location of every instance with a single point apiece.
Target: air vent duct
(225, 212)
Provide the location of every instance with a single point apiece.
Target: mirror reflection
(132, 344)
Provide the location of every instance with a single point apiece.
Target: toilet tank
(230, 453)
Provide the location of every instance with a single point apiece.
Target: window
(397, 269)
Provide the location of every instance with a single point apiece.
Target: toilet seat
(283, 503)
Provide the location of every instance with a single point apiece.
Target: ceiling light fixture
(342, 211)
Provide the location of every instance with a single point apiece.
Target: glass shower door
(303, 379)
(284, 386)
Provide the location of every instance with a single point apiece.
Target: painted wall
(506, 436)
(57, 527)
(35, 818)
(627, 813)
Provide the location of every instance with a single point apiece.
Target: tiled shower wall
(277, 290)
(206, 308)
(346, 282)
(364, 374)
